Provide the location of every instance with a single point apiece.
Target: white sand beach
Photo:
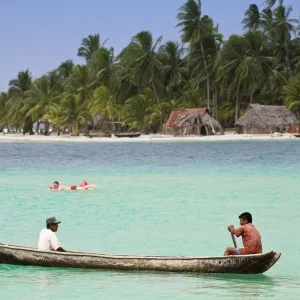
(12, 137)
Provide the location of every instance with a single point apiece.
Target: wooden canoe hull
(130, 135)
(246, 264)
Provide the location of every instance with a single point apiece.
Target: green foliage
(137, 89)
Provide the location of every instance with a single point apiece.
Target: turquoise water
(153, 199)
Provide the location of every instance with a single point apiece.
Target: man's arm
(231, 228)
(237, 231)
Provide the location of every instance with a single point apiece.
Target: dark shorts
(237, 250)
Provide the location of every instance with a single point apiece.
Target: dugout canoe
(246, 264)
(128, 134)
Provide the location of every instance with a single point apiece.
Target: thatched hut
(192, 121)
(265, 119)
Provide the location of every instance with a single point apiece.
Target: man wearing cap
(48, 239)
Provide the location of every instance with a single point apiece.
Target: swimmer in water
(84, 186)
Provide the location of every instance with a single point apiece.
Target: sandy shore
(143, 138)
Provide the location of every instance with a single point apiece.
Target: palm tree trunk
(287, 60)
(6, 125)
(207, 77)
(251, 97)
(236, 107)
(216, 104)
(155, 92)
(46, 125)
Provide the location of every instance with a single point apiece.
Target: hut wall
(259, 130)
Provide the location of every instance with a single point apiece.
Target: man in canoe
(250, 236)
(48, 239)
(83, 186)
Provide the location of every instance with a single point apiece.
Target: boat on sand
(236, 264)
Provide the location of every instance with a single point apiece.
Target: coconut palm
(138, 109)
(4, 110)
(65, 69)
(283, 26)
(106, 69)
(18, 89)
(252, 18)
(194, 29)
(271, 3)
(246, 64)
(57, 116)
(291, 94)
(105, 104)
(75, 113)
(42, 96)
(174, 69)
(89, 46)
(142, 62)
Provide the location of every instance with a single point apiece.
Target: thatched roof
(178, 111)
(263, 116)
(186, 117)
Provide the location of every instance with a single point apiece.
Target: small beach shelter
(192, 121)
(266, 119)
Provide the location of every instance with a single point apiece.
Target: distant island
(137, 90)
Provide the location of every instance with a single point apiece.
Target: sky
(39, 35)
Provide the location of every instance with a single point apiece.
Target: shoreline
(145, 138)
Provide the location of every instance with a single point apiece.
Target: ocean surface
(158, 198)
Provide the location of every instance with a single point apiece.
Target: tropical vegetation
(138, 88)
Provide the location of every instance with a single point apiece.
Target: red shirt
(251, 239)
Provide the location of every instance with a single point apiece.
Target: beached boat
(130, 135)
(246, 264)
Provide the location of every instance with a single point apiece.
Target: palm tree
(105, 104)
(74, 112)
(57, 116)
(65, 69)
(18, 89)
(138, 109)
(106, 69)
(291, 94)
(283, 26)
(252, 18)
(246, 65)
(271, 3)
(194, 29)
(89, 46)
(174, 69)
(43, 95)
(4, 110)
(142, 61)
(79, 88)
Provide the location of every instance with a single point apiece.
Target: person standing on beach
(250, 236)
(48, 240)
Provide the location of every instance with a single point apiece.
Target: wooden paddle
(233, 239)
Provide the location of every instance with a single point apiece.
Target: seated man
(48, 240)
(250, 236)
(83, 186)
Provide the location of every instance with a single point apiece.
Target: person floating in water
(83, 186)
(250, 236)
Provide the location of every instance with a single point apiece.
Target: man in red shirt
(250, 236)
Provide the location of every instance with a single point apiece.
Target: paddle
(233, 239)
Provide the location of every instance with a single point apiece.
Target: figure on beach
(83, 186)
(250, 236)
(48, 240)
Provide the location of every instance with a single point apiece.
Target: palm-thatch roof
(192, 121)
(266, 118)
